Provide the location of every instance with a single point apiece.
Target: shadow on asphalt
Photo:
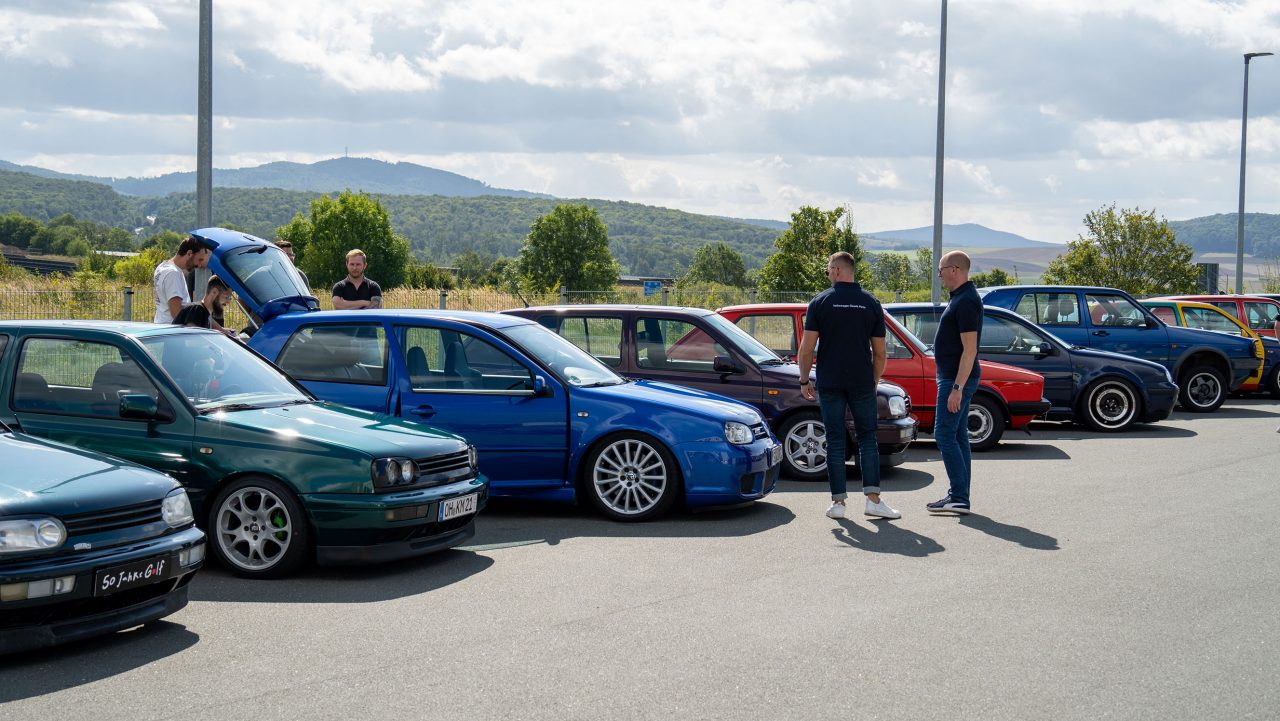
(892, 480)
(885, 537)
(1015, 534)
(37, 673)
(342, 584)
(1231, 411)
(511, 522)
(1006, 451)
(1054, 431)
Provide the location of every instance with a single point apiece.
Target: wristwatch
(804, 382)
(955, 386)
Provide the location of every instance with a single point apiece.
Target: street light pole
(935, 293)
(1244, 134)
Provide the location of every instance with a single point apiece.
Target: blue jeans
(951, 431)
(865, 418)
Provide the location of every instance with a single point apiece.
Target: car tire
(804, 447)
(1201, 389)
(1273, 382)
(1109, 405)
(986, 422)
(257, 529)
(631, 477)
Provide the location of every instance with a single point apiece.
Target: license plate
(455, 507)
(775, 455)
(133, 575)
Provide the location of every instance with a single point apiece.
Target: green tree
(803, 249)
(1130, 250)
(426, 275)
(337, 225)
(991, 278)
(717, 263)
(922, 269)
(472, 267)
(18, 230)
(136, 271)
(893, 272)
(568, 247)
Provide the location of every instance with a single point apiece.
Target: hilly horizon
(961, 234)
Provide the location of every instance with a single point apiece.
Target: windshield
(572, 364)
(217, 373)
(266, 273)
(911, 338)
(743, 340)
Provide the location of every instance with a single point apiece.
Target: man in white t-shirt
(170, 279)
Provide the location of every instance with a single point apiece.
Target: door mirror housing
(141, 406)
(1152, 322)
(724, 364)
(540, 387)
(1046, 348)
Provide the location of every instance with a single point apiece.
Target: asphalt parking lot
(1131, 576)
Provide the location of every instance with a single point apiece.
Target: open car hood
(265, 281)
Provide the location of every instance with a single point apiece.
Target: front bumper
(1244, 369)
(1160, 400)
(77, 615)
(893, 435)
(717, 473)
(390, 526)
(1034, 409)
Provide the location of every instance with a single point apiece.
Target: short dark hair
(192, 244)
(215, 283)
(283, 244)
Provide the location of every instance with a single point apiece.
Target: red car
(1259, 313)
(1007, 397)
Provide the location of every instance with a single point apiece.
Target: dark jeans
(951, 431)
(862, 404)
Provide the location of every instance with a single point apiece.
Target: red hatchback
(1007, 397)
(1260, 314)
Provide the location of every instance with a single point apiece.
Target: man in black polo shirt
(850, 323)
(955, 350)
(356, 291)
(205, 314)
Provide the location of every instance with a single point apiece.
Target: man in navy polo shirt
(955, 351)
(850, 322)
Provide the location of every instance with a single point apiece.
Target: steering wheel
(1019, 345)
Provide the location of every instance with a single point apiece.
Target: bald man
(955, 351)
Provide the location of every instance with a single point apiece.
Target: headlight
(1167, 375)
(391, 472)
(739, 434)
(31, 534)
(176, 509)
(473, 457)
(897, 407)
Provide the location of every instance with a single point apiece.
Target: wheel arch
(580, 476)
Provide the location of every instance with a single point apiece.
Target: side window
(599, 336)
(1228, 306)
(777, 332)
(894, 347)
(1166, 314)
(440, 359)
(1057, 309)
(62, 375)
(1262, 316)
(337, 354)
(1001, 335)
(1206, 319)
(921, 325)
(675, 345)
(1114, 311)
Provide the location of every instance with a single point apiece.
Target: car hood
(329, 425)
(264, 280)
(45, 477)
(1197, 336)
(1117, 358)
(789, 374)
(700, 403)
(1001, 372)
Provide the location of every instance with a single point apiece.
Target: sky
(749, 108)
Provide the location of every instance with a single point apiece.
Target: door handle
(1101, 333)
(423, 411)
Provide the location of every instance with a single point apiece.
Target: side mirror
(724, 364)
(540, 387)
(1046, 348)
(1152, 322)
(143, 407)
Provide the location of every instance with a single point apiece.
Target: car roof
(741, 307)
(1216, 296)
(118, 327)
(922, 305)
(379, 315)
(1060, 288)
(676, 309)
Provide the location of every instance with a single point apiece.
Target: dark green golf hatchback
(88, 544)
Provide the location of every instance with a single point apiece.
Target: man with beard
(202, 314)
(170, 278)
(356, 290)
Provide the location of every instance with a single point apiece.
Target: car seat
(419, 371)
(457, 373)
(31, 393)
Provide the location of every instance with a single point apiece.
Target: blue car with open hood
(549, 421)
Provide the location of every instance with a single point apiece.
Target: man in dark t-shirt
(850, 323)
(207, 312)
(955, 351)
(356, 291)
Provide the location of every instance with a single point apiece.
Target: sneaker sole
(961, 511)
(881, 515)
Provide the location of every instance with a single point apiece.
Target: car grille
(447, 468)
(759, 431)
(113, 519)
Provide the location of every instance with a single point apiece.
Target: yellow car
(1193, 314)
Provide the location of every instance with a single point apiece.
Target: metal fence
(137, 303)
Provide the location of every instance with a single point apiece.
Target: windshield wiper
(773, 362)
(598, 384)
(229, 407)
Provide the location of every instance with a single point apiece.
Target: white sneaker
(880, 509)
(836, 510)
